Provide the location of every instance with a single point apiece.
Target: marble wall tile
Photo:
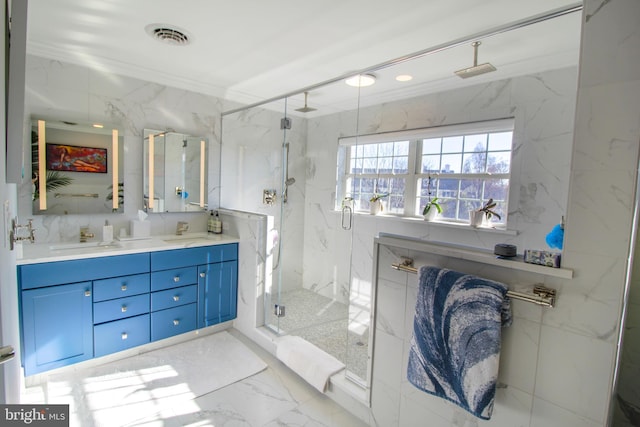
(574, 372)
(547, 414)
(610, 53)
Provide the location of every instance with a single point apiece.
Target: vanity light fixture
(42, 166)
(361, 80)
(404, 78)
(151, 171)
(114, 175)
(202, 162)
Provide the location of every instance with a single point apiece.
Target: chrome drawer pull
(124, 336)
(176, 298)
(87, 293)
(176, 279)
(176, 322)
(123, 287)
(124, 308)
(203, 274)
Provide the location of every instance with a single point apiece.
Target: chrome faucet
(84, 234)
(182, 227)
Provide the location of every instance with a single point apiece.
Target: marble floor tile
(273, 397)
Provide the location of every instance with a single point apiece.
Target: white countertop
(65, 251)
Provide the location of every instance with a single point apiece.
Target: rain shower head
(476, 69)
(305, 109)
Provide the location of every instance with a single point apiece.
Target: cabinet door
(57, 326)
(217, 293)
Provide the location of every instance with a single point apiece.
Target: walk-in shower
(319, 283)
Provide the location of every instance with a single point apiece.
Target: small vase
(375, 207)
(476, 218)
(431, 214)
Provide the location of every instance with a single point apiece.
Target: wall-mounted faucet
(182, 227)
(84, 234)
(14, 233)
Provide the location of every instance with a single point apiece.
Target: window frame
(414, 173)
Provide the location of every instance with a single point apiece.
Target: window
(462, 165)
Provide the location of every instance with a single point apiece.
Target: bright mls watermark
(34, 415)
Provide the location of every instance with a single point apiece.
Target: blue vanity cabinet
(120, 313)
(173, 301)
(57, 326)
(215, 271)
(218, 293)
(56, 307)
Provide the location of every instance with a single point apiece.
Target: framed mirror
(175, 172)
(79, 165)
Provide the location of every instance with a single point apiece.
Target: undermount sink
(186, 238)
(93, 245)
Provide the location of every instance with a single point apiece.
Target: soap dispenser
(210, 222)
(107, 232)
(217, 224)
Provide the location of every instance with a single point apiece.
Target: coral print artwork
(72, 158)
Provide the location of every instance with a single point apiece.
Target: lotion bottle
(107, 232)
(210, 222)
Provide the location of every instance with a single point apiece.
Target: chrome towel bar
(541, 295)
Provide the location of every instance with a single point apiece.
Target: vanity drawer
(173, 297)
(120, 308)
(173, 321)
(194, 256)
(167, 279)
(121, 335)
(119, 287)
(63, 272)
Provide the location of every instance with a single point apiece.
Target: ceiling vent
(168, 34)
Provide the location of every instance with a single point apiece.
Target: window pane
(500, 141)
(370, 150)
(451, 163)
(448, 188)
(385, 165)
(474, 162)
(499, 162)
(452, 144)
(400, 165)
(356, 166)
(385, 149)
(401, 148)
(496, 189)
(357, 151)
(370, 165)
(430, 164)
(431, 146)
(471, 189)
(475, 143)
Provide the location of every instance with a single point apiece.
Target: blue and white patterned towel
(455, 348)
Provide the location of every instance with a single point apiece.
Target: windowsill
(440, 224)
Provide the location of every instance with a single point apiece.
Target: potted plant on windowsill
(375, 206)
(477, 216)
(431, 209)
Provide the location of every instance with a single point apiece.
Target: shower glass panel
(315, 232)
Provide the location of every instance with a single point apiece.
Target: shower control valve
(268, 197)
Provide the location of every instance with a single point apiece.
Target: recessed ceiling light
(404, 77)
(361, 80)
(169, 34)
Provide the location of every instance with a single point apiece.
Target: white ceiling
(250, 50)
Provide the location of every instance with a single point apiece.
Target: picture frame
(73, 158)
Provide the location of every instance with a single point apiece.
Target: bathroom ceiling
(246, 51)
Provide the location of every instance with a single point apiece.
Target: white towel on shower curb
(305, 359)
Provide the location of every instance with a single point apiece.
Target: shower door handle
(347, 215)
